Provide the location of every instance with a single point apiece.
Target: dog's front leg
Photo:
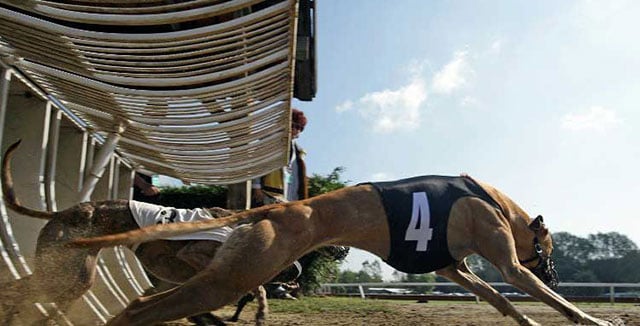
(522, 278)
(463, 276)
(502, 254)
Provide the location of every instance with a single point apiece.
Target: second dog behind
(62, 274)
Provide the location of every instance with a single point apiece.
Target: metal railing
(394, 290)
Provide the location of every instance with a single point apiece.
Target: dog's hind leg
(241, 304)
(263, 306)
(253, 254)
(462, 275)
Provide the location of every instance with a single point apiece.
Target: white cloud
(344, 106)
(392, 110)
(469, 101)
(380, 176)
(453, 75)
(596, 119)
(496, 46)
(397, 109)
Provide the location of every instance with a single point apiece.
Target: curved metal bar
(172, 14)
(44, 25)
(127, 270)
(51, 160)
(96, 306)
(110, 282)
(99, 165)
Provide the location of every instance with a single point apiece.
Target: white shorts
(147, 214)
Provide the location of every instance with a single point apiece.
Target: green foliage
(373, 269)
(194, 196)
(623, 269)
(483, 268)
(371, 272)
(319, 184)
(611, 245)
(604, 257)
(320, 266)
(416, 278)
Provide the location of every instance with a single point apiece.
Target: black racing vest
(414, 248)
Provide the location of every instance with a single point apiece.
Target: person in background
(144, 190)
(290, 182)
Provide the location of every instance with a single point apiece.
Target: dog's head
(543, 267)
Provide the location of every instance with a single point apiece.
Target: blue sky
(539, 99)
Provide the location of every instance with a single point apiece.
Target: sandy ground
(436, 314)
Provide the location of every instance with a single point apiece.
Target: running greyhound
(416, 225)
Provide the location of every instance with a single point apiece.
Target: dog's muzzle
(547, 273)
(545, 270)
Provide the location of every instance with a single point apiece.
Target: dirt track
(403, 313)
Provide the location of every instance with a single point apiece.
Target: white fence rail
(363, 289)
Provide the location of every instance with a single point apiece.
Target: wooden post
(239, 195)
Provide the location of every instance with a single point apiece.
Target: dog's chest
(418, 214)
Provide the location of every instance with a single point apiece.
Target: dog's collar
(538, 255)
(545, 268)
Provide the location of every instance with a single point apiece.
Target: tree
(611, 245)
(483, 268)
(348, 276)
(416, 278)
(578, 249)
(319, 184)
(371, 272)
(623, 269)
(373, 269)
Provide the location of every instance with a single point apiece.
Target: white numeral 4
(422, 214)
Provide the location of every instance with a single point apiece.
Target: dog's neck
(517, 219)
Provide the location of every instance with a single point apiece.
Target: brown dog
(64, 274)
(397, 225)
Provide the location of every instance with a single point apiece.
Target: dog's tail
(8, 192)
(163, 231)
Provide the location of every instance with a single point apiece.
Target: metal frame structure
(199, 90)
(202, 88)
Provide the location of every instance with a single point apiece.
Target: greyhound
(416, 225)
(63, 274)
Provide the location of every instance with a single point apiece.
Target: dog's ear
(537, 226)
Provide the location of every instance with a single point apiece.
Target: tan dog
(272, 237)
(64, 274)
